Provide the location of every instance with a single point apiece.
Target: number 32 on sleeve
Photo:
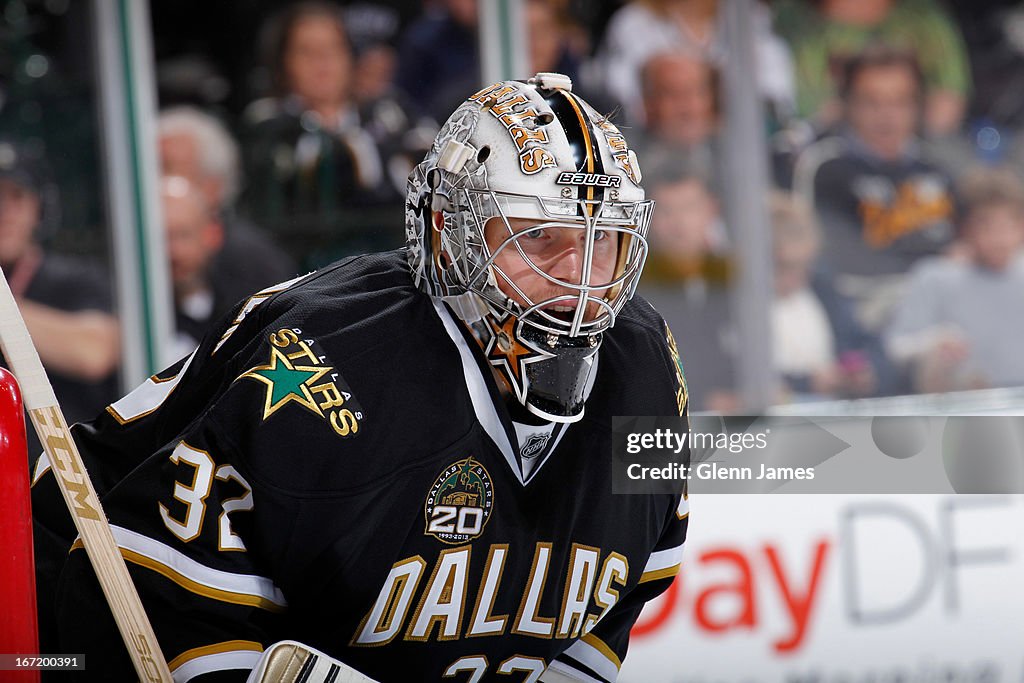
(204, 471)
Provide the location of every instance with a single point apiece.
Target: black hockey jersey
(335, 465)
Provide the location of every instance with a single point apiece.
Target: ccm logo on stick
(570, 178)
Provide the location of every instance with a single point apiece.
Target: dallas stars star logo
(510, 354)
(287, 383)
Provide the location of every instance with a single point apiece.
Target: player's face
(559, 252)
(19, 214)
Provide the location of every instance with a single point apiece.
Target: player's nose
(568, 265)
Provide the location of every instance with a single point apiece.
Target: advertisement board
(841, 589)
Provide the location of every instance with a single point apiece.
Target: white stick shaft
(79, 494)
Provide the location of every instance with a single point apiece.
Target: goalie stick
(78, 492)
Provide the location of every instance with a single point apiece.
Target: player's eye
(601, 235)
(536, 234)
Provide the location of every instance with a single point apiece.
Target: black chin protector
(556, 387)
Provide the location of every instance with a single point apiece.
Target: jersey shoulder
(359, 303)
(343, 371)
(376, 285)
(641, 348)
(639, 312)
(641, 328)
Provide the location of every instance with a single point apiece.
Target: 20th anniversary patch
(459, 502)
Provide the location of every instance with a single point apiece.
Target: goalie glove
(292, 662)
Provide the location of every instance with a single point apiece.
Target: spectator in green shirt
(822, 34)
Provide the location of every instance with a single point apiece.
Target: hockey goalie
(403, 461)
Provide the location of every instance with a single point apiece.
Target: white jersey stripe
(480, 397)
(218, 661)
(683, 509)
(587, 654)
(147, 397)
(42, 467)
(191, 575)
(559, 671)
(663, 559)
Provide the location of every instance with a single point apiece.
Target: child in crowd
(961, 323)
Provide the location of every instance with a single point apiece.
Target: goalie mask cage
(18, 630)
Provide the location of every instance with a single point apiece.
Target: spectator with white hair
(194, 238)
(196, 146)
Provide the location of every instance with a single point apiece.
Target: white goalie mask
(528, 218)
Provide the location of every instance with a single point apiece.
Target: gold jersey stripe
(656, 574)
(188, 584)
(198, 588)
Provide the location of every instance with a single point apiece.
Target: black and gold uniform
(336, 465)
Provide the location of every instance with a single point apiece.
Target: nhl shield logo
(459, 503)
(534, 445)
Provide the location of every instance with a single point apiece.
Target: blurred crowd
(894, 144)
